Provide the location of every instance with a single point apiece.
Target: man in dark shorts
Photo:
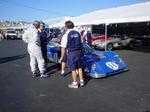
(71, 44)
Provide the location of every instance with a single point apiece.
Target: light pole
(106, 24)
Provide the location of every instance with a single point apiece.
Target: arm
(62, 54)
(64, 41)
(36, 37)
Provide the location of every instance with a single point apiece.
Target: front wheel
(109, 47)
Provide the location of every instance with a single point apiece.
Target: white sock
(62, 72)
(81, 80)
(74, 82)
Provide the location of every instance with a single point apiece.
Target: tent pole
(105, 36)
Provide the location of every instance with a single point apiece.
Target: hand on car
(60, 60)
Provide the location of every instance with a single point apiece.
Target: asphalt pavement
(19, 92)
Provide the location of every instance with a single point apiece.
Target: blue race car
(96, 63)
(53, 51)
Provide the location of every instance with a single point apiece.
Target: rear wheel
(109, 47)
(7, 38)
(130, 45)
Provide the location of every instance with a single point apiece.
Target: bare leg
(74, 76)
(80, 73)
(63, 68)
(74, 84)
(77, 72)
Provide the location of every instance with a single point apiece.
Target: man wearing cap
(32, 38)
(71, 44)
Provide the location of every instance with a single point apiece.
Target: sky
(29, 10)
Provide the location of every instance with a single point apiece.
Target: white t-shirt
(64, 39)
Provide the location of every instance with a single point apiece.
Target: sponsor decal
(74, 36)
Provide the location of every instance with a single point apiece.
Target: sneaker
(82, 83)
(34, 75)
(44, 75)
(62, 73)
(73, 85)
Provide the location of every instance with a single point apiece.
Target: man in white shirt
(71, 44)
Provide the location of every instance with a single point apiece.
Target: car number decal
(112, 65)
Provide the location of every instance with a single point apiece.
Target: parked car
(96, 63)
(95, 38)
(19, 33)
(10, 34)
(1, 34)
(112, 42)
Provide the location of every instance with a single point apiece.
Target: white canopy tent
(122, 14)
(57, 22)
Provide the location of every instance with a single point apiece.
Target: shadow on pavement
(87, 79)
(55, 66)
(142, 49)
(65, 74)
(12, 58)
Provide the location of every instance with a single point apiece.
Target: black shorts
(74, 60)
(64, 58)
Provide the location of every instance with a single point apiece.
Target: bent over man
(71, 44)
(32, 38)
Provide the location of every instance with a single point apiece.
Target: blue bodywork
(96, 63)
(53, 51)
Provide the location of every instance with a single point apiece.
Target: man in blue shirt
(71, 44)
(43, 39)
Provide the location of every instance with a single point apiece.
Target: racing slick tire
(109, 46)
(130, 45)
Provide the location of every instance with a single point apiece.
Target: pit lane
(124, 92)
